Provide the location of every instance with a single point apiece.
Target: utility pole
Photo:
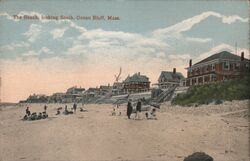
(236, 48)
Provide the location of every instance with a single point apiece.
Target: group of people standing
(138, 110)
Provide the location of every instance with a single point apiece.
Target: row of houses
(221, 66)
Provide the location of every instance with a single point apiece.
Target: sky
(45, 56)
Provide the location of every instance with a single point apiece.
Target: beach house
(168, 79)
(136, 83)
(221, 66)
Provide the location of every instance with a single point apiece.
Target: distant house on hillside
(56, 97)
(75, 90)
(92, 91)
(168, 79)
(136, 83)
(218, 67)
(105, 89)
(37, 98)
(117, 88)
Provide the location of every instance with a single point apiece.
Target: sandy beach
(222, 131)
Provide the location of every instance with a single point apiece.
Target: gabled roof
(171, 76)
(221, 55)
(137, 78)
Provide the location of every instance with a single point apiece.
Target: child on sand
(118, 110)
(113, 112)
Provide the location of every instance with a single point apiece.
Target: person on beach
(45, 108)
(58, 112)
(74, 107)
(153, 114)
(113, 112)
(129, 109)
(66, 110)
(118, 110)
(138, 109)
(40, 116)
(27, 111)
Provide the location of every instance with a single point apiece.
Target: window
(247, 65)
(226, 65)
(213, 67)
(237, 66)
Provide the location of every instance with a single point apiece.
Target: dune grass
(215, 92)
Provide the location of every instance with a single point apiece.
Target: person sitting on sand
(33, 116)
(25, 117)
(40, 116)
(44, 115)
(58, 112)
(27, 111)
(153, 114)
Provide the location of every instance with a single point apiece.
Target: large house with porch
(136, 83)
(168, 79)
(221, 66)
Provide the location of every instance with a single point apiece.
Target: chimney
(174, 70)
(190, 62)
(242, 56)
(139, 73)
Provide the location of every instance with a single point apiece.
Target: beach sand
(222, 131)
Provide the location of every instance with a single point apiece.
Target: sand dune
(219, 130)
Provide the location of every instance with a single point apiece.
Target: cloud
(99, 38)
(8, 16)
(200, 40)
(13, 46)
(179, 56)
(45, 50)
(33, 33)
(76, 50)
(32, 53)
(187, 24)
(58, 33)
